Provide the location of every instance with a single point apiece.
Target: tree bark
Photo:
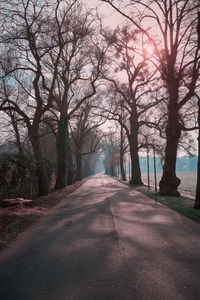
(61, 145)
(87, 169)
(70, 173)
(43, 179)
(16, 131)
(197, 196)
(78, 165)
(123, 175)
(135, 167)
(169, 181)
(133, 142)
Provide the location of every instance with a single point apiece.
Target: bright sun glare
(148, 49)
(139, 50)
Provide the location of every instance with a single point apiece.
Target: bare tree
(48, 64)
(171, 27)
(78, 67)
(11, 130)
(137, 94)
(85, 133)
(26, 89)
(110, 145)
(15, 125)
(123, 150)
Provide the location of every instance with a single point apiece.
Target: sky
(111, 18)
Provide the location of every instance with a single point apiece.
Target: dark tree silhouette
(176, 58)
(26, 42)
(197, 196)
(110, 148)
(84, 134)
(137, 95)
(79, 63)
(123, 149)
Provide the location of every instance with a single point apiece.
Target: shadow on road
(105, 243)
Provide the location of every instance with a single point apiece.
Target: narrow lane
(105, 241)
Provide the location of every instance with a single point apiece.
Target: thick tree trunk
(123, 175)
(62, 142)
(78, 165)
(133, 142)
(70, 173)
(135, 167)
(43, 179)
(197, 197)
(169, 181)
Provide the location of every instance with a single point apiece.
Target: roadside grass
(182, 204)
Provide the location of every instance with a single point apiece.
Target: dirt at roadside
(16, 219)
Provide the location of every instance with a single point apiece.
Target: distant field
(188, 181)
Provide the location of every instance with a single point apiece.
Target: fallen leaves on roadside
(16, 219)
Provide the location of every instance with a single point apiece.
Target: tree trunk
(123, 175)
(86, 169)
(62, 142)
(106, 170)
(197, 197)
(169, 182)
(133, 142)
(17, 134)
(112, 170)
(70, 173)
(135, 167)
(43, 179)
(78, 165)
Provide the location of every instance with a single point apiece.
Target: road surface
(105, 241)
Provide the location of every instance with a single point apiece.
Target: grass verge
(183, 205)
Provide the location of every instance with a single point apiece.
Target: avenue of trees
(174, 35)
(64, 75)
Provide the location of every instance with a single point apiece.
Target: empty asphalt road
(105, 241)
